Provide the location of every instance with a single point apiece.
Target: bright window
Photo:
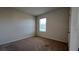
(42, 25)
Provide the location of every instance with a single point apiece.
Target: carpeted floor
(34, 44)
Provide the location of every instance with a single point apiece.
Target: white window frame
(44, 30)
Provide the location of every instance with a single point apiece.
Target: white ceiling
(35, 11)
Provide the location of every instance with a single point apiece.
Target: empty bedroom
(34, 28)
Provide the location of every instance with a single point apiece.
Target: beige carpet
(34, 44)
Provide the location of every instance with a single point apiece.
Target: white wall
(78, 29)
(15, 25)
(57, 25)
(74, 31)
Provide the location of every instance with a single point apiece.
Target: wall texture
(78, 28)
(15, 25)
(57, 25)
(74, 31)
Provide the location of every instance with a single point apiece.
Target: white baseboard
(27, 36)
(53, 39)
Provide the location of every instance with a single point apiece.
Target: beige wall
(15, 25)
(57, 25)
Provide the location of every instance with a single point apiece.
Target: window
(42, 25)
